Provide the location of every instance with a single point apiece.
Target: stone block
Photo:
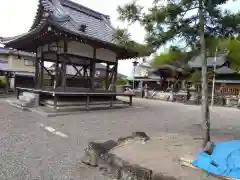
(32, 99)
(140, 136)
(28, 94)
(136, 136)
(95, 150)
(110, 165)
(135, 172)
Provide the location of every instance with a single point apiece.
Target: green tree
(122, 81)
(190, 21)
(123, 37)
(225, 46)
(231, 47)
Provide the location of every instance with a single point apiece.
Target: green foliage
(229, 46)
(173, 54)
(179, 20)
(233, 52)
(197, 75)
(3, 80)
(123, 37)
(122, 81)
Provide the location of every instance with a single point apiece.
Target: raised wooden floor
(71, 96)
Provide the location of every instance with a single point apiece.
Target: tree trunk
(205, 103)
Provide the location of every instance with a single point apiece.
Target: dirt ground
(35, 147)
(162, 154)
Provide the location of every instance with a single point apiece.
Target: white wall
(105, 54)
(82, 49)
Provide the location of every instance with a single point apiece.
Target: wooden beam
(88, 58)
(64, 67)
(69, 61)
(36, 69)
(49, 73)
(78, 72)
(92, 70)
(56, 73)
(41, 71)
(63, 78)
(111, 78)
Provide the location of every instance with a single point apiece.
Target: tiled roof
(71, 17)
(224, 70)
(197, 61)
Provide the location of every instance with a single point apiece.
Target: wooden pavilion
(67, 33)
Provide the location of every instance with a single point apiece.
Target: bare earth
(161, 154)
(28, 151)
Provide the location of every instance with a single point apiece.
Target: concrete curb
(98, 155)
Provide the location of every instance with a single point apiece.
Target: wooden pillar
(115, 76)
(18, 93)
(55, 102)
(130, 100)
(36, 71)
(64, 67)
(7, 83)
(107, 77)
(41, 72)
(87, 101)
(92, 70)
(56, 72)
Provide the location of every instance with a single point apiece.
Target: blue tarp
(224, 161)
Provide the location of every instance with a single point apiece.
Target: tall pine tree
(190, 21)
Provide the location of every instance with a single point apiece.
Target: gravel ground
(28, 151)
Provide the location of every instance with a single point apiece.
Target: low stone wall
(98, 154)
(227, 101)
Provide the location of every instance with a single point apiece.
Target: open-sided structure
(66, 33)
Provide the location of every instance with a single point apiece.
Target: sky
(16, 17)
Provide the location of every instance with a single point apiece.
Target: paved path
(37, 147)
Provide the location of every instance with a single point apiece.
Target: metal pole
(214, 77)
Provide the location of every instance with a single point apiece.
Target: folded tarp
(224, 161)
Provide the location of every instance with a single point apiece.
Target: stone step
(26, 98)
(28, 94)
(77, 103)
(82, 104)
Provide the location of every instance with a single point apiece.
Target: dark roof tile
(97, 25)
(197, 61)
(224, 70)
